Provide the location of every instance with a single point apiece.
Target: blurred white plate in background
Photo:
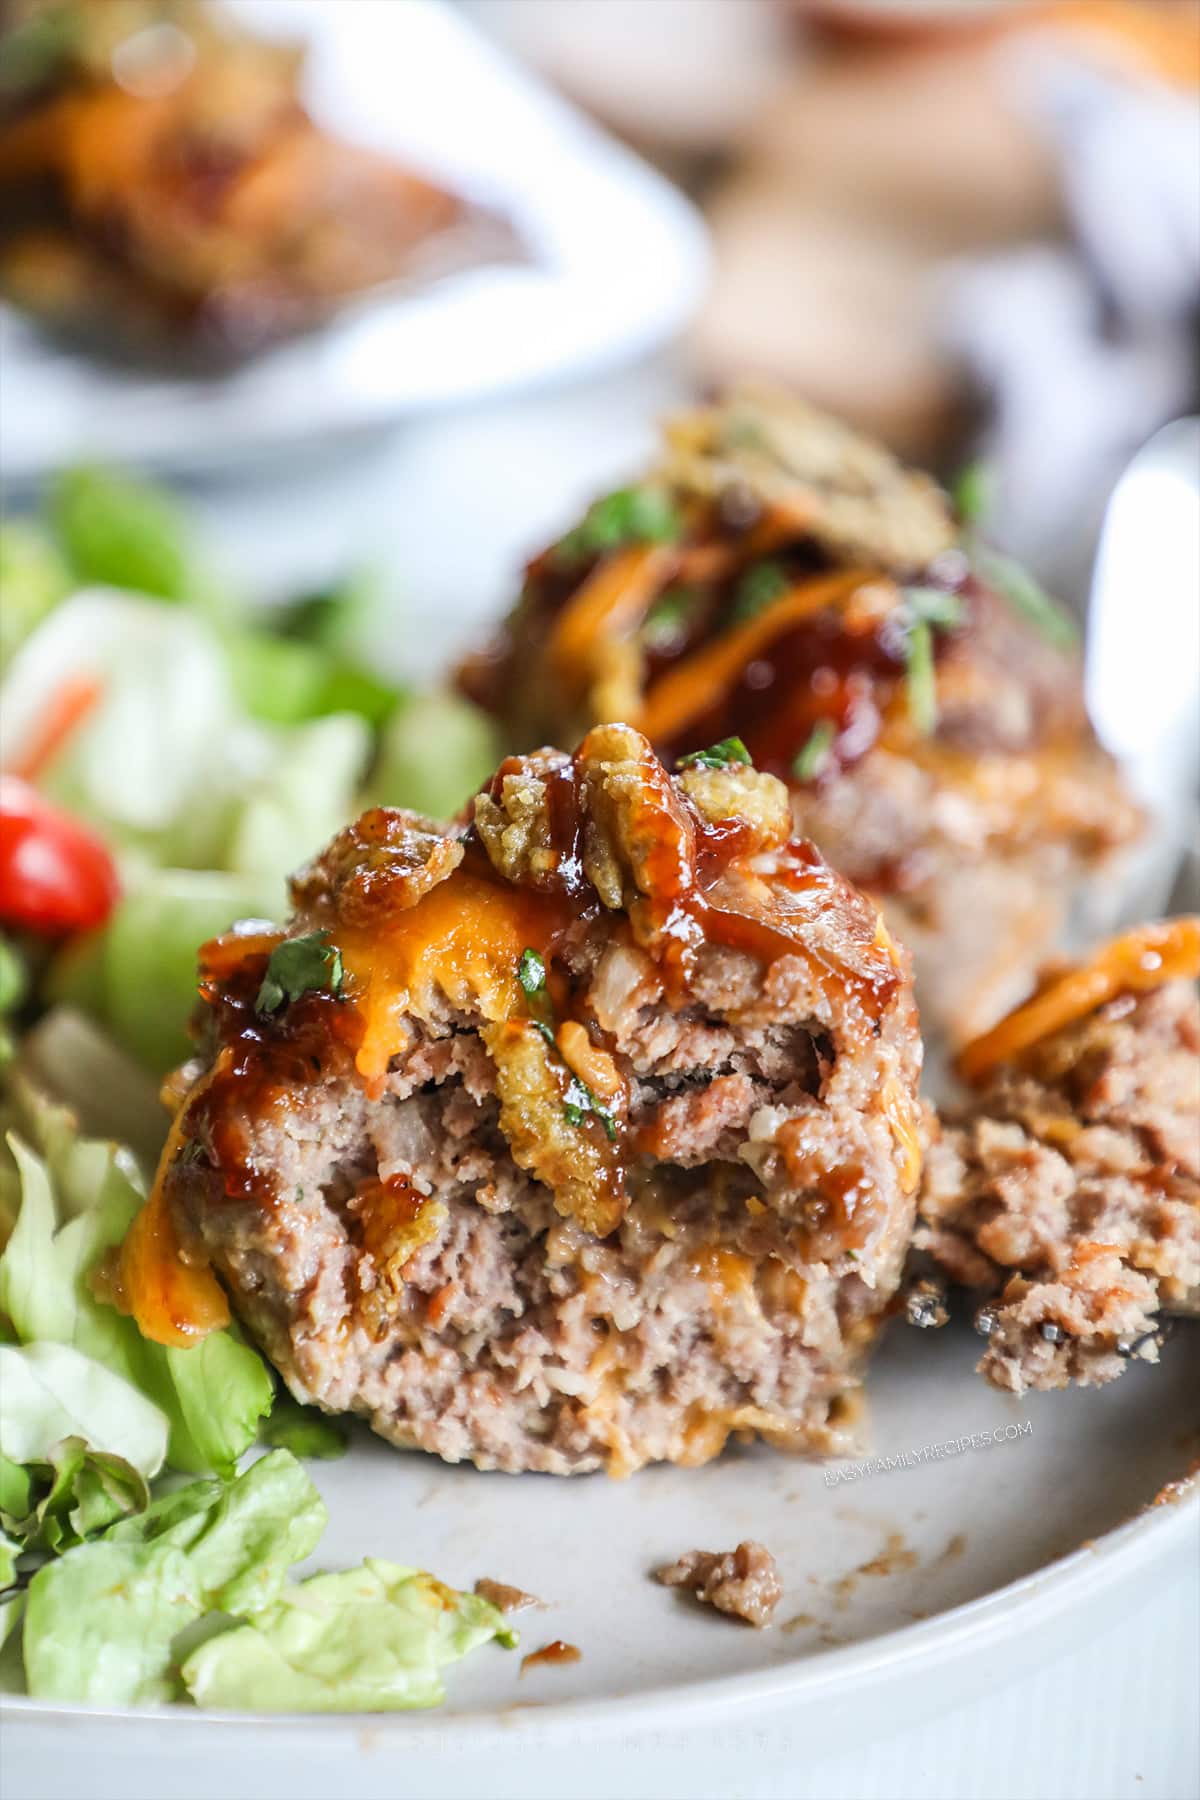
(619, 264)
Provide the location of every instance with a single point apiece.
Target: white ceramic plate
(619, 263)
(919, 1580)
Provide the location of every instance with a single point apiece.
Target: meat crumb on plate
(508, 1599)
(743, 1582)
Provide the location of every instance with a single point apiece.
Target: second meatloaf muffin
(580, 1136)
(779, 577)
(1066, 1192)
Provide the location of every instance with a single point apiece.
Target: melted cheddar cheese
(1134, 963)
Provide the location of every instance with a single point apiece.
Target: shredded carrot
(172, 1302)
(65, 712)
(612, 599)
(697, 683)
(1133, 963)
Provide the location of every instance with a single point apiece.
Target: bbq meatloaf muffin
(1067, 1193)
(779, 578)
(162, 185)
(580, 1136)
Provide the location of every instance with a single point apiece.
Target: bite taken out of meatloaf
(579, 1136)
(777, 576)
(1066, 1193)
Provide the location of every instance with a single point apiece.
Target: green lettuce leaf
(8, 1562)
(50, 1391)
(122, 532)
(241, 1537)
(33, 579)
(102, 1621)
(436, 752)
(372, 1639)
(31, 1294)
(138, 976)
(86, 1491)
(16, 1489)
(77, 1199)
(303, 1430)
(305, 793)
(220, 1389)
(168, 765)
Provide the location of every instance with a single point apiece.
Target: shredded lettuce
(372, 1639)
(109, 1095)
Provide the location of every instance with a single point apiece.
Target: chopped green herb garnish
(974, 491)
(935, 606)
(580, 1101)
(730, 750)
(667, 618)
(926, 610)
(758, 588)
(921, 681)
(531, 973)
(630, 516)
(809, 761)
(298, 966)
(1028, 596)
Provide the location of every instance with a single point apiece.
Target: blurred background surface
(972, 226)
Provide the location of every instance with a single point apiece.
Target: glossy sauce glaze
(760, 627)
(821, 644)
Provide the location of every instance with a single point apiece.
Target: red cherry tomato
(55, 876)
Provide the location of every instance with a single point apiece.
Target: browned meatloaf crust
(1067, 1193)
(598, 1223)
(743, 1583)
(780, 578)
